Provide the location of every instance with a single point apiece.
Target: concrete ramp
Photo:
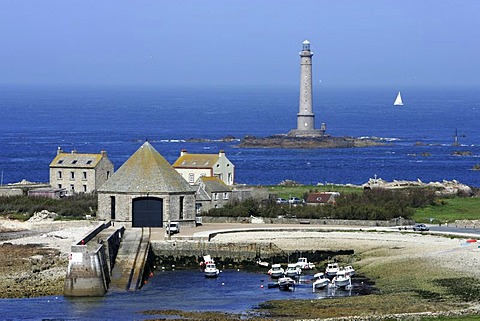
(130, 261)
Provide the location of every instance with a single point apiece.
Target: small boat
(211, 270)
(398, 100)
(350, 270)
(332, 269)
(262, 263)
(286, 283)
(276, 271)
(320, 281)
(304, 264)
(293, 270)
(342, 280)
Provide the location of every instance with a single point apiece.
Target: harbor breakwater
(189, 253)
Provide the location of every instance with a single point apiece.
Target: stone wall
(394, 222)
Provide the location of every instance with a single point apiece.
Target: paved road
(203, 231)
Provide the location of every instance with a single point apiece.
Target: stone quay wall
(331, 222)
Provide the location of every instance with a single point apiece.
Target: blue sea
(35, 121)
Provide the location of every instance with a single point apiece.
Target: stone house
(211, 193)
(79, 173)
(194, 166)
(146, 191)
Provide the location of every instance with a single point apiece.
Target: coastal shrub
(75, 206)
(375, 204)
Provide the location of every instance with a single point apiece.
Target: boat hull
(321, 284)
(212, 274)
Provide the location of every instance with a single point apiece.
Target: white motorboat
(262, 263)
(293, 270)
(211, 270)
(350, 270)
(332, 269)
(286, 283)
(304, 264)
(342, 280)
(276, 271)
(320, 281)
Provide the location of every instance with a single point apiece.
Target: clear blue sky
(219, 42)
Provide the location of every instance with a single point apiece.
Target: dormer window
(60, 161)
(74, 161)
(89, 162)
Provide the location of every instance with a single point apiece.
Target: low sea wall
(189, 253)
(333, 222)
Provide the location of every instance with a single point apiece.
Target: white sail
(398, 101)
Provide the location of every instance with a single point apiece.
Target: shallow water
(233, 291)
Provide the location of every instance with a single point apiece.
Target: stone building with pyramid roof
(148, 192)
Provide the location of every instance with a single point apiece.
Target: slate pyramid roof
(146, 171)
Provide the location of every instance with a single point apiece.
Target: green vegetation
(23, 207)
(377, 204)
(449, 210)
(300, 191)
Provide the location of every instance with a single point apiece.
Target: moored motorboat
(342, 280)
(320, 281)
(304, 264)
(332, 269)
(276, 271)
(211, 270)
(350, 270)
(286, 283)
(293, 270)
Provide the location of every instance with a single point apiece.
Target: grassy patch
(351, 306)
(449, 210)
(300, 191)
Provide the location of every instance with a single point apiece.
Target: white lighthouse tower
(305, 116)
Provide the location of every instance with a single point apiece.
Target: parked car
(173, 228)
(420, 227)
(295, 200)
(281, 201)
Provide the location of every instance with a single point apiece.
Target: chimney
(59, 150)
(183, 152)
(103, 152)
(74, 151)
(221, 153)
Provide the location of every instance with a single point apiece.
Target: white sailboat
(398, 100)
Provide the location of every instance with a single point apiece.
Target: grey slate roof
(214, 184)
(201, 194)
(146, 171)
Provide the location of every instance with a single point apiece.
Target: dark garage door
(147, 212)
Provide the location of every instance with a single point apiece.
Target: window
(72, 187)
(191, 178)
(74, 161)
(59, 185)
(59, 175)
(89, 162)
(215, 196)
(230, 180)
(181, 207)
(84, 188)
(112, 207)
(108, 174)
(84, 175)
(60, 161)
(225, 196)
(72, 175)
